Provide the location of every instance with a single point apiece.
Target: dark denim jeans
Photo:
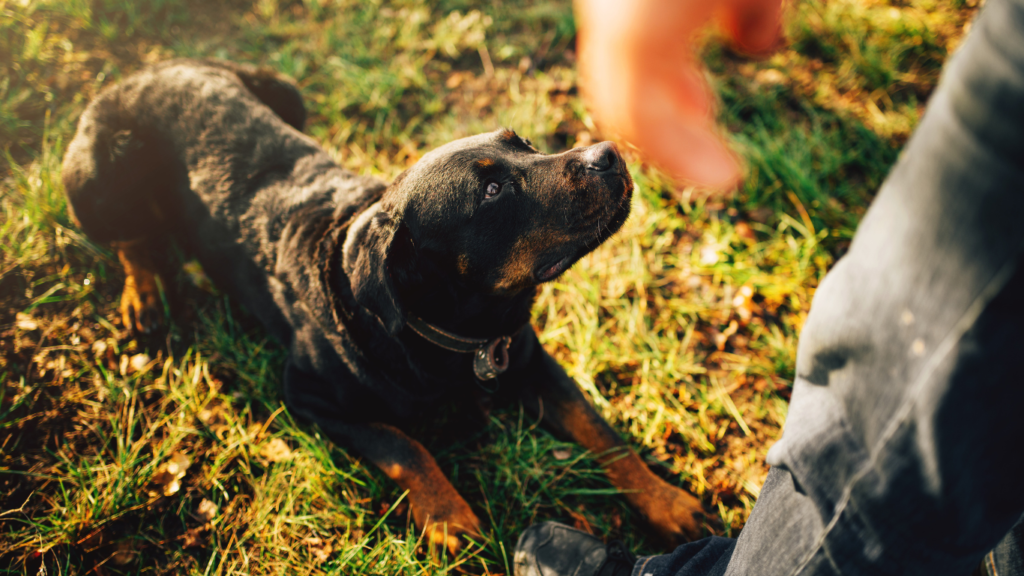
(903, 452)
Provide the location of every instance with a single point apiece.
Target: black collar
(490, 356)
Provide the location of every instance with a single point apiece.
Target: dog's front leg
(547, 390)
(140, 300)
(436, 506)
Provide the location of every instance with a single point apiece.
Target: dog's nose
(603, 157)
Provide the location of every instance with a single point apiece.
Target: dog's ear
(378, 257)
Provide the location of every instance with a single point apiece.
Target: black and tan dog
(389, 298)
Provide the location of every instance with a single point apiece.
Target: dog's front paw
(673, 514)
(141, 310)
(447, 520)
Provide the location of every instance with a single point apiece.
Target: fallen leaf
(722, 338)
(178, 464)
(125, 553)
(276, 450)
(207, 510)
(709, 254)
(770, 76)
(744, 304)
(454, 80)
(25, 322)
(167, 479)
(562, 453)
(138, 363)
(320, 549)
(209, 415)
(194, 538)
(322, 554)
(482, 101)
(743, 230)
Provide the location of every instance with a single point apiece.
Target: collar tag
(491, 359)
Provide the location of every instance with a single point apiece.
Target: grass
(120, 456)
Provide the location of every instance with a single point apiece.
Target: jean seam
(954, 335)
(639, 571)
(831, 560)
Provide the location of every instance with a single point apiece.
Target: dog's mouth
(549, 271)
(560, 259)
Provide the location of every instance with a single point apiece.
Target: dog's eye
(493, 189)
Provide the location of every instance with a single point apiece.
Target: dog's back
(274, 90)
(176, 124)
(209, 152)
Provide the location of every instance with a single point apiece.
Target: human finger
(754, 25)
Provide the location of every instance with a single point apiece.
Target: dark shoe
(553, 549)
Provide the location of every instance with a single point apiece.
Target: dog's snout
(603, 157)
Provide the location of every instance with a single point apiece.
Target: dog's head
(487, 215)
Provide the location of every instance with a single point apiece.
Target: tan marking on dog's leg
(140, 301)
(671, 512)
(436, 506)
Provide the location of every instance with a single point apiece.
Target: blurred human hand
(644, 82)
